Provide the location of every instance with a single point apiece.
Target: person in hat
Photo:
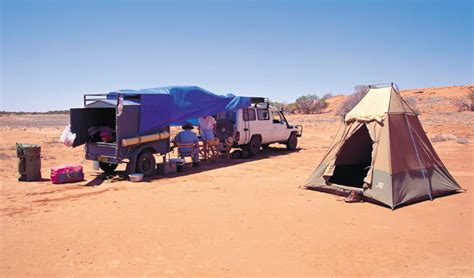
(187, 136)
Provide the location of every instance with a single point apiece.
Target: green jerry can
(29, 162)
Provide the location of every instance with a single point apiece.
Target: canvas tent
(382, 151)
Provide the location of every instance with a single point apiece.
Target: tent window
(354, 159)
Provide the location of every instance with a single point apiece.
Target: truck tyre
(146, 163)
(107, 167)
(253, 147)
(292, 142)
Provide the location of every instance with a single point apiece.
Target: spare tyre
(224, 129)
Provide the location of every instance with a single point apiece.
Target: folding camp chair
(182, 146)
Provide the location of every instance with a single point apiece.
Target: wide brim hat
(187, 126)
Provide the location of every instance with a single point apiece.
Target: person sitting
(207, 126)
(187, 136)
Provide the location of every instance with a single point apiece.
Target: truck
(257, 126)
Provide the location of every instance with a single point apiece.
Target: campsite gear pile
(101, 134)
(29, 162)
(383, 152)
(67, 173)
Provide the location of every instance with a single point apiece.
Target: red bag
(67, 173)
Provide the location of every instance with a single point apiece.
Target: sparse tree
(352, 100)
(311, 104)
(327, 96)
(291, 107)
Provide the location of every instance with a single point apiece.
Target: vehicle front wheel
(146, 163)
(253, 147)
(107, 167)
(292, 142)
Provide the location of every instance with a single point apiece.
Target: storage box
(29, 162)
(180, 163)
(67, 173)
(167, 168)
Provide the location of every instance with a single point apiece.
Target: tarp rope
(333, 144)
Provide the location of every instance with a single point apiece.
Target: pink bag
(67, 173)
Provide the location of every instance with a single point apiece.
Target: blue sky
(54, 51)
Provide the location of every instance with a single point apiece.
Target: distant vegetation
(449, 137)
(466, 103)
(35, 113)
(359, 92)
(308, 104)
(412, 102)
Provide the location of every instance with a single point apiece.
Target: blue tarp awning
(177, 105)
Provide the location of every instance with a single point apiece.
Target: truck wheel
(107, 167)
(292, 142)
(253, 147)
(146, 163)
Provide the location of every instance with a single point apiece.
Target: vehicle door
(249, 119)
(264, 126)
(280, 128)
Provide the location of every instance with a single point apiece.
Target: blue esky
(54, 51)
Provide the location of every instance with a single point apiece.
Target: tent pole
(422, 167)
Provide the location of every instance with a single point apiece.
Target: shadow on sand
(204, 166)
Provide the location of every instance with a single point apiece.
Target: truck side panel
(127, 122)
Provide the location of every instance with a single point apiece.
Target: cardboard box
(167, 168)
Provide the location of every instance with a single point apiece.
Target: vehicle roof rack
(255, 100)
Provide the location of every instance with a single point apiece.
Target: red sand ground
(232, 218)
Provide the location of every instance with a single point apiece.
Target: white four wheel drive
(257, 126)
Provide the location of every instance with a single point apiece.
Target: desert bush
(352, 100)
(443, 138)
(290, 107)
(463, 140)
(327, 96)
(412, 102)
(311, 104)
(466, 103)
(277, 105)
